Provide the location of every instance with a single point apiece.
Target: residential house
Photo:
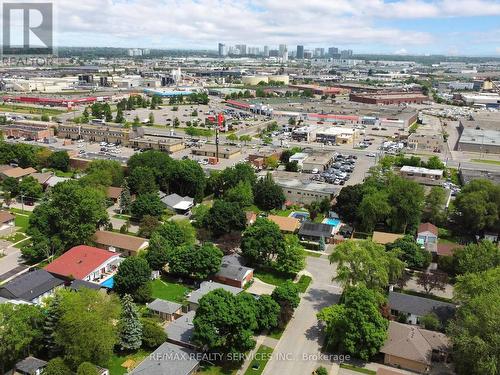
(177, 204)
(124, 244)
(180, 331)
(86, 263)
(251, 217)
(15, 172)
(54, 180)
(42, 178)
(413, 348)
(286, 224)
(30, 366)
(31, 287)
(233, 274)
(414, 307)
(383, 238)
(7, 220)
(314, 232)
(114, 193)
(427, 233)
(166, 310)
(206, 287)
(168, 359)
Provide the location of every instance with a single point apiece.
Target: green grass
(15, 237)
(68, 174)
(486, 161)
(115, 363)
(277, 333)
(30, 110)
(22, 222)
(357, 369)
(313, 254)
(261, 357)
(19, 211)
(22, 243)
(169, 291)
(286, 213)
(207, 369)
(271, 277)
(303, 283)
(122, 217)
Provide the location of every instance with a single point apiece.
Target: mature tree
(198, 262)
(11, 185)
(474, 335)
(199, 215)
(69, 217)
(142, 180)
(20, 332)
(374, 208)
(42, 157)
(177, 233)
(406, 199)
(476, 257)
(87, 368)
(287, 296)
(356, 326)
(365, 262)
(53, 314)
(59, 160)
(225, 217)
(30, 189)
(57, 366)
(292, 259)
(133, 273)
(411, 253)
(241, 193)
(220, 182)
(268, 312)
(262, 242)
(430, 321)
(435, 163)
(105, 172)
(271, 162)
(147, 204)
(188, 179)
(87, 330)
(471, 285)
(148, 225)
(158, 252)
(125, 199)
(321, 371)
(477, 207)
(160, 162)
(434, 206)
(267, 194)
(430, 280)
(224, 324)
(130, 331)
(153, 334)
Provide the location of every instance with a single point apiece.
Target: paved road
(10, 262)
(299, 348)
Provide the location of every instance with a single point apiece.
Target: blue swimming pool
(108, 283)
(300, 215)
(332, 222)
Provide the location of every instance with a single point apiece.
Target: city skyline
(419, 27)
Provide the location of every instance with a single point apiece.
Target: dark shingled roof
(233, 271)
(420, 306)
(30, 285)
(29, 365)
(82, 284)
(181, 330)
(315, 229)
(163, 306)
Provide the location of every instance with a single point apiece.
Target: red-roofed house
(85, 263)
(427, 233)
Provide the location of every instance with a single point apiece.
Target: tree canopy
(267, 194)
(225, 217)
(262, 242)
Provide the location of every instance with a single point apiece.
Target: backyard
(115, 364)
(170, 291)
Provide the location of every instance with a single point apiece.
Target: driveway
(11, 263)
(299, 349)
(259, 287)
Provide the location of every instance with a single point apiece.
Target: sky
(449, 27)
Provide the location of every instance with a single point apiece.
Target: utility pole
(217, 144)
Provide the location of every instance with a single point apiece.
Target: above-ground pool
(332, 222)
(300, 215)
(108, 283)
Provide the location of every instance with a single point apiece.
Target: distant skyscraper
(242, 48)
(222, 49)
(346, 54)
(282, 49)
(333, 51)
(266, 51)
(300, 52)
(319, 52)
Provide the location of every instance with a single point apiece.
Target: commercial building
(31, 130)
(169, 145)
(422, 175)
(426, 141)
(222, 50)
(479, 135)
(321, 90)
(300, 52)
(305, 133)
(96, 133)
(209, 151)
(335, 135)
(317, 162)
(255, 80)
(304, 191)
(385, 98)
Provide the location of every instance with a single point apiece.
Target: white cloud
(498, 50)
(402, 51)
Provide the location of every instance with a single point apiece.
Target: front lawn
(15, 237)
(170, 291)
(313, 254)
(22, 222)
(259, 363)
(357, 369)
(271, 277)
(115, 363)
(207, 369)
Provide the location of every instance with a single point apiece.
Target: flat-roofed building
(318, 162)
(422, 175)
(335, 134)
(31, 130)
(169, 145)
(305, 133)
(426, 141)
(95, 133)
(209, 151)
(481, 135)
(384, 98)
(301, 191)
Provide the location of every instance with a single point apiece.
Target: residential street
(11, 263)
(299, 349)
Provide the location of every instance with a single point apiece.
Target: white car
(371, 155)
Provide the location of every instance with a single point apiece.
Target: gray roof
(208, 286)
(163, 306)
(181, 330)
(420, 306)
(233, 271)
(235, 259)
(168, 359)
(82, 284)
(29, 365)
(30, 285)
(315, 229)
(173, 199)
